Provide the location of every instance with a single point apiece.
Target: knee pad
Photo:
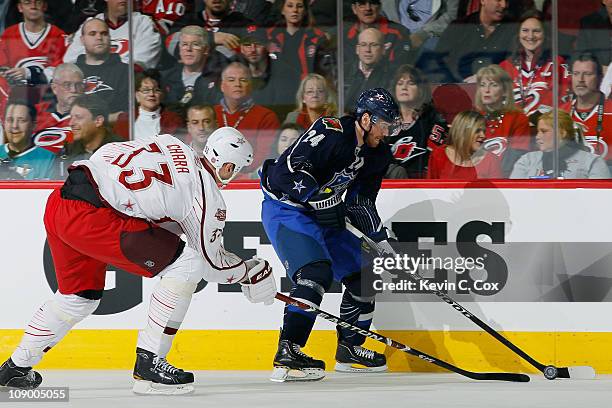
(71, 308)
(188, 270)
(312, 281)
(352, 284)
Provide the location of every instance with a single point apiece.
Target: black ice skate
(350, 359)
(291, 364)
(154, 375)
(23, 378)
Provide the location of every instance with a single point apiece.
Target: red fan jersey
(164, 12)
(533, 88)
(589, 119)
(47, 117)
(509, 129)
(47, 50)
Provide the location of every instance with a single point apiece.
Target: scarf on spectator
(565, 151)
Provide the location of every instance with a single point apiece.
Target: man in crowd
(371, 70)
(67, 84)
(29, 50)
(90, 128)
(589, 107)
(19, 152)
(104, 72)
(195, 78)
(147, 41)
(201, 122)
(238, 110)
(396, 37)
(482, 38)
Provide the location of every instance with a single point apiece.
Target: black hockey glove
(329, 209)
(384, 238)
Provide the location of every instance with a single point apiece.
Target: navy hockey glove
(383, 238)
(329, 209)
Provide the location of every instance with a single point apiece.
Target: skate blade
(286, 374)
(358, 368)
(151, 388)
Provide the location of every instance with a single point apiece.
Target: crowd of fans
(474, 80)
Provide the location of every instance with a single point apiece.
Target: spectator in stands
(237, 109)
(257, 10)
(201, 122)
(287, 134)
(195, 79)
(595, 32)
(270, 83)
(30, 50)
(507, 132)
(67, 84)
(370, 70)
(104, 72)
(476, 41)
(89, 124)
(464, 157)
(530, 66)
(396, 36)
(151, 119)
(147, 42)
(422, 129)
(575, 159)
(164, 13)
(295, 42)
(425, 19)
(589, 108)
(222, 23)
(314, 98)
(18, 153)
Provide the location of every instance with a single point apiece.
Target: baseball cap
(367, 1)
(253, 34)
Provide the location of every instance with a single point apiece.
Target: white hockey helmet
(228, 145)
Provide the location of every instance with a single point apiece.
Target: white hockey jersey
(147, 41)
(162, 179)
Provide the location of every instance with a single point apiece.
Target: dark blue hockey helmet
(379, 103)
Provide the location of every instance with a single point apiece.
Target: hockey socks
(49, 325)
(167, 308)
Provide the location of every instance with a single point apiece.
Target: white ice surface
(229, 389)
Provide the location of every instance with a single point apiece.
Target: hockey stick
(550, 372)
(392, 343)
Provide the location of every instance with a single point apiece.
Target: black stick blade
(512, 377)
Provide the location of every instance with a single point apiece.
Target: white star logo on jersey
(298, 186)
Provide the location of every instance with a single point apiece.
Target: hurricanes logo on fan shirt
(496, 145)
(332, 123)
(405, 149)
(53, 138)
(598, 147)
(120, 46)
(95, 84)
(40, 62)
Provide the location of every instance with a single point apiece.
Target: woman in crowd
(287, 134)
(531, 66)
(295, 41)
(423, 128)
(464, 157)
(507, 131)
(575, 159)
(151, 118)
(314, 98)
